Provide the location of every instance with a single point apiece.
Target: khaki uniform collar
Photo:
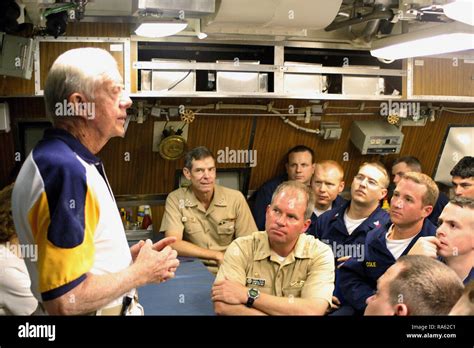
(219, 198)
(301, 251)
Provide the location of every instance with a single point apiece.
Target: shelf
(269, 68)
(281, 69)
(269, 95)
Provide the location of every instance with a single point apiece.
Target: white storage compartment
(363, 85)
(173, 80)
(231, 81)
(303, 83)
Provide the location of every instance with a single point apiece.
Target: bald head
(327, 183)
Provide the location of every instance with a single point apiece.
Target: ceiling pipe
(373, 27)
(381, 12)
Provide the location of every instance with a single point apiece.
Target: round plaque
(172, 147)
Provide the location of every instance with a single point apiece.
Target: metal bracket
(331, 130)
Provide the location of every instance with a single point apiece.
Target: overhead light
(460, 10)
(160, 28)
(201, 35)
(443, 38)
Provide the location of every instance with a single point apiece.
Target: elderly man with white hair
(63, 204)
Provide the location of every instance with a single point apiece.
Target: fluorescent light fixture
(460, 10)
(201, 36)
(160, 28)
(443, 38)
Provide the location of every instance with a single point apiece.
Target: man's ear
(401, 310)
(306, 225)
(383, 194)
(341, 186)
(78, 102)
(187, 173)
(267, 209)
(427, 209)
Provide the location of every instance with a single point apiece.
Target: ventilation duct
(175, 8)
(270, 17)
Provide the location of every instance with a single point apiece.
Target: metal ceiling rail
(243, 67)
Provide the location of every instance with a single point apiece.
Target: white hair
(78, 71)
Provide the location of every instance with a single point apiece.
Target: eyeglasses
(373, 184)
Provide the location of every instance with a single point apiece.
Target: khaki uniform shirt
(307, 272)
(227, 218)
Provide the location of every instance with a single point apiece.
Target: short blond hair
(332, 164)
(386, 179)
(432, 192)
(301, 188)
(7, 228)
(425, 285)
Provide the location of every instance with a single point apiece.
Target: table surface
(189, 293)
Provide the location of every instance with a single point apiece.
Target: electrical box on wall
(4, 117)
(376, 137)
(16, 56)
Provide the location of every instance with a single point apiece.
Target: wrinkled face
(455, 231)
(300, 167)
(202, 175)
(110, 104)
(398, 170)
(285, 218)
(463, 187)
(366, 187)
(406, 205)
(379, 303)
(327, 184)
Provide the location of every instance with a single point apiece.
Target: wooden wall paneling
(7, 155)
(31, 109)
(49, 51)
(26, 108)
(15, 86)
(468, 77)
(274, 138)
(132, 166)
(438, 76)
(147, 172)
(219, 132)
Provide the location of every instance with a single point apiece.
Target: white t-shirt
(352, 224)
(280, 258)
(396, 246)
(15, 294)
(318, 212)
